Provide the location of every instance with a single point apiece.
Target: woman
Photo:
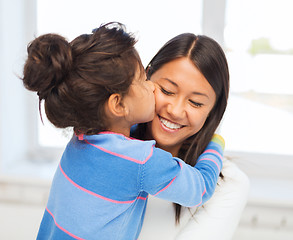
(192, 85)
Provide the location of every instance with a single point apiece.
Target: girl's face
(140, 99)
(184, 99)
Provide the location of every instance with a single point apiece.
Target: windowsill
(267, 192)
(24, 190)
(35, 190)
(34, 169)
(28, 182)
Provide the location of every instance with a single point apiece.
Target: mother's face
(184, 99)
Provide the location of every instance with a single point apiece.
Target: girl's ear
(115, 105)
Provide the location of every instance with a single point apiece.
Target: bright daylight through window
(259, 52)
(260, 55)
(151, 32)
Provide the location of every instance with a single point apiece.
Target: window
(259, 47)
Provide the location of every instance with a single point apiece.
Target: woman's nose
(176, 109)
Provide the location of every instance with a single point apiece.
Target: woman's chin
(165, 137)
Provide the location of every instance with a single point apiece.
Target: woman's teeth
(170, 125)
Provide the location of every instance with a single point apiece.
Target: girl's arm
(219, 217)
(212, 153)
(173, 180)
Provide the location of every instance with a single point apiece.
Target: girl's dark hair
(76, 78)
(207, 56)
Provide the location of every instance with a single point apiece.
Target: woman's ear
(115, 105)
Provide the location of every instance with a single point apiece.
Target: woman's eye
(195, 104)
(165, 91)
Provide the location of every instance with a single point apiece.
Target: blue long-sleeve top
(101, 185)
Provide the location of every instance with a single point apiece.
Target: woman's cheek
(159, 100)
(198, 119)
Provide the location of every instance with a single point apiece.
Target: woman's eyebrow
(201, 94)
(170, 81)
(195, 93)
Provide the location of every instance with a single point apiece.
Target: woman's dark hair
(207, 56)
(76, 78)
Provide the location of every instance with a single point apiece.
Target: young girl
(97, 85)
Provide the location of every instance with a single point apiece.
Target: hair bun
(48, 64)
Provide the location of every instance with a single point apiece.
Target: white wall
(22, 203)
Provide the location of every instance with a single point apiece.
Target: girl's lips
(169, 126)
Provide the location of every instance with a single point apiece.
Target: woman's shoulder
(231, 192)
(234, 176)
(223, 209)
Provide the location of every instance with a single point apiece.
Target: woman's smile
(169, 126)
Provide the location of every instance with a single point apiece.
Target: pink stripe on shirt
(63, 229)
(209, 159)
(180, 164)
(165, 187)
(95, 194)
(214, 152)
(122, 156)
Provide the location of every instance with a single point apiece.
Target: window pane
(259, 45)
(153, 22)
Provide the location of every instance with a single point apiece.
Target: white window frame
(18, 108)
